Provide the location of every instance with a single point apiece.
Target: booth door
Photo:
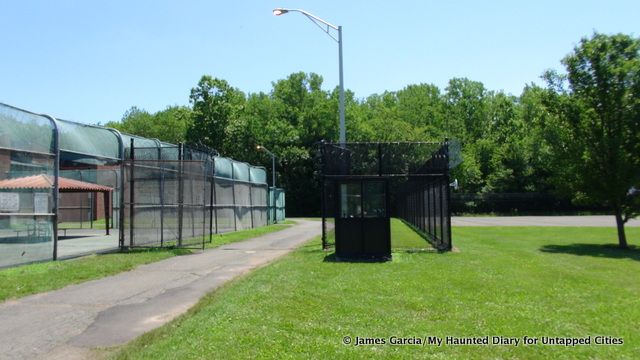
(362, 222)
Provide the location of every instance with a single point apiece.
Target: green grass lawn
(231, 237)
(513, 282)
(39, 277)
(403, 237)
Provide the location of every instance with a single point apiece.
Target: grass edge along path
(29, 279)
(510, 282)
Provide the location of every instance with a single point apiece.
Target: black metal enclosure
(365, 184)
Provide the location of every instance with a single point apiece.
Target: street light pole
(343, 135)
(271, 203)
(273, 171)
(273, 164)
(316, 20)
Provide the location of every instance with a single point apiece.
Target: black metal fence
(424, 199)
(418, 176)
(426, 206)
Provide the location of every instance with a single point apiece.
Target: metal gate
(363, 223)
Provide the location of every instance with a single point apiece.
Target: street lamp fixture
(326, 27)
(280, 11)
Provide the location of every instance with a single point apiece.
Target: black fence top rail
(384, 158)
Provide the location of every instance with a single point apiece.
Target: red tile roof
(46, 182)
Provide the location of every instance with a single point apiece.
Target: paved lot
(77, 242)
(598, 220)
(68, 323)
(80, 241)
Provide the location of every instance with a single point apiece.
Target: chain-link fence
(153, 193)
(174, 195)
(276, 205)
(27, 192)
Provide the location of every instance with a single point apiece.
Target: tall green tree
(215, 103)
(168, 125)
(596, 134)
(466, 109)
(134, 121)
(304, 115)
(422, 106)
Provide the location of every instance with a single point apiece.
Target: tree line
(576, 139)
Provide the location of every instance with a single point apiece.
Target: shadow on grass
(333, 258)
(595, 250)
(417, 251)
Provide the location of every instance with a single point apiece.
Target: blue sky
(89, 61)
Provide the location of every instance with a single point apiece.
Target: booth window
(373, 201)
(350, 200)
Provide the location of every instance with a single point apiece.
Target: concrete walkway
(68, 323)
(598, 220)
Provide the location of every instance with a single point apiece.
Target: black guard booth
(362, 219)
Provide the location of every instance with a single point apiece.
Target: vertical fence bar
(161, 190)
(132, 194)
(251, 199)
(447, 180)
(204, 202)
(56, 188)
(441, 198)
(106, 200)
(180, 192)
(414, 207)
(432, 214)
(192, 203)
(233, 196)
(121, 184)
(425, 220)
(92, 203)
(212, 199)
(81, 202)
(121, 232)
(274, 202)
(387, 215)
(215, 203)
(421, 204)
(322, 211)
(323, 194)
(113, 198)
